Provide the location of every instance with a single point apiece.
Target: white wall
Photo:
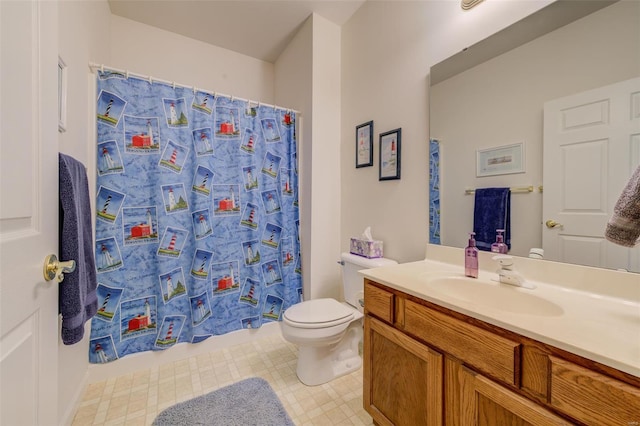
(308, 79)
(293, 88)
(147, 50)
(81, 36)
(501, 102)
(387, 49)
(325, 156)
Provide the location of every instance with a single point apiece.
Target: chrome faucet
(506, 273)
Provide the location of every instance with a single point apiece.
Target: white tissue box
(366, 248)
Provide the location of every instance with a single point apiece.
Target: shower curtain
(197, 220)
(434, 191)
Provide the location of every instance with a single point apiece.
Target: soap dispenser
(499, 246)
(471, 258)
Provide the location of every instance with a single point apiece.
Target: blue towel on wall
(77, 293)
(492, 211)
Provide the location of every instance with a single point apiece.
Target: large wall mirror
(547, 77)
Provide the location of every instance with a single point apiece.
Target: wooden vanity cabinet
(486, 403)
(427, 365)
(404, 378)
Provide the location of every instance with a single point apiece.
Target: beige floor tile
(150, 418)
(100, 418)
(119, 402)
(165, 404)
(104, 405)
(136, 399)
(123, 382)
(94, 391)
(136, 406)
(336, 415)
(86, 414)
(138, 394)
(116, 422)
(116, 412)
(108, 389)
(136, 421)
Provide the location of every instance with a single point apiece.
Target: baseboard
(152, 359)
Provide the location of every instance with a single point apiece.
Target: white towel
(624, 226)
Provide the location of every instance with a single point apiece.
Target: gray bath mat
(246, 403)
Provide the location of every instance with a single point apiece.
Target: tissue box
(366, 248)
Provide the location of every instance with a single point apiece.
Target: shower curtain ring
(194, 90)
(174, 85)
(126, 74)
(102, 68)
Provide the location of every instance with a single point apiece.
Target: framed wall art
(390, 144)
(364, 144)
(501, 160)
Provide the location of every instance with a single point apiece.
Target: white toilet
(328, 332)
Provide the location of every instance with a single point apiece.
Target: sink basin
(494, 295)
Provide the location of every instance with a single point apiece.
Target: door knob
(53, 268)
(552, 224)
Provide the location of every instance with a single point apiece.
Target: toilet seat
(318, 313)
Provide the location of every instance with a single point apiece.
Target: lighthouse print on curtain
(196, 216)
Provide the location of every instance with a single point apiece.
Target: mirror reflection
(561, 97)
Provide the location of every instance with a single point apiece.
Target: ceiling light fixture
(468, 4)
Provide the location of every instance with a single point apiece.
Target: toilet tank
(352, 281)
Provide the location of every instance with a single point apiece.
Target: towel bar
(522, 189)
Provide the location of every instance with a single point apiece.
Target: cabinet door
(485, 403)
(402, 378)
(590, 397)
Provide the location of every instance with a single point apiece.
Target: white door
(28, 212)
(591, 148)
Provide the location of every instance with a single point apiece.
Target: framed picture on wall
(364, 144)
(390, 144)
(501, 160)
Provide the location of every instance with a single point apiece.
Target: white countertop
(594, 325)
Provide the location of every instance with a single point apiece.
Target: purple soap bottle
(471, 258)
(499, 246)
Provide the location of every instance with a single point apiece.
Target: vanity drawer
(488, 352)
(378, 302)
(590, 397)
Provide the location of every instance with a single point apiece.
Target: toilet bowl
(327, 332)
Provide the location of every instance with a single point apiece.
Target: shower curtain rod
(94, 67)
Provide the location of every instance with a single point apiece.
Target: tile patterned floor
(136, 399)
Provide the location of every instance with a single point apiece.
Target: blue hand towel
(77, 293)
(492, 211)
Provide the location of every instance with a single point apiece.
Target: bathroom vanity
(436, 353)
